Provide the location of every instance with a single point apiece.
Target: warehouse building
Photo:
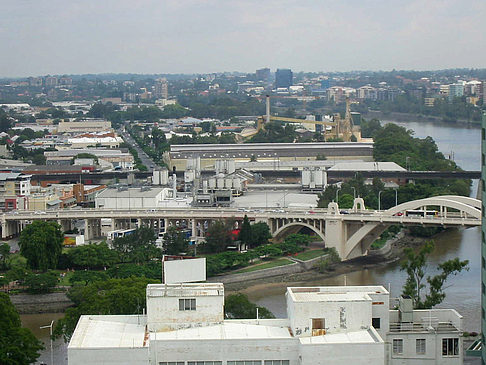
(210, 153)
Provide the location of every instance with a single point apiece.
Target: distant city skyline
(194, 36)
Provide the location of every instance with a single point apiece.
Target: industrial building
(84, 126)
(185, 325)
(145, 197)
(209, 153)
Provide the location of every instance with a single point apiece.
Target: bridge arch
(281, 232)
(469, 206)
(458, 203)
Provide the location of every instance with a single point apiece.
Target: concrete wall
(163, 312)
(108, 356)
(227, 350)
(343, 354)
(339, 316)
(433, 347)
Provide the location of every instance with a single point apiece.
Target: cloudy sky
(39, 37)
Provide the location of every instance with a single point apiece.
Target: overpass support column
(87, 230)
(193, 227)
(335, 236)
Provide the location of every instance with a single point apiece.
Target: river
(463, 294)
(462, 142)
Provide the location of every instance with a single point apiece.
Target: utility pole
(50, 333)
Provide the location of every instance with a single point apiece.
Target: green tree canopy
(427, 292)
(260, 234)
(175, 241)
(18, 346)
(93, 256)
(238, 306)
(41, 244)
(113, 296)
(245, 231)
(218, 237)
(137, 247)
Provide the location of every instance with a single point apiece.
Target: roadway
(146, 160)
(452, 219)
(410, 175)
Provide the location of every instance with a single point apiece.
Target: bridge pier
(65, 224)
(92, 228)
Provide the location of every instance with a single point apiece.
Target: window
(376, 323)
(245, 362)
(172, 363)
(187, 304)
(204, 363)
(276, 362)
(450, 346)
(397, 346)
(420, 346)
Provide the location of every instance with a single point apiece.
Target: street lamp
(50, 332)
(379, 199)
(396, 197)
(354, 192)
(407, 161)
(337, 195)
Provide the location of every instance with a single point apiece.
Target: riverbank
(408, 117)
(392, 251)
(41, 303)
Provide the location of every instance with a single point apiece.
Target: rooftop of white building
(109, 331)
(364, 336)
(225, 331)
(334, 293)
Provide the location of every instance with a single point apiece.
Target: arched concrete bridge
(351, 232)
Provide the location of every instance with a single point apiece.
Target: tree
(41, 283)
(137, 247)
(175, 241)
(41, 244)
(93, 256)
(113, 296)
(238, 306)
(218, 237)
(245, 232)
(426, 296)
(18, 346)
(298, 239)
(4, 255)
(260, 234)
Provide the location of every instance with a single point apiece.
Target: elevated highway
(102, 177)
(351, 232)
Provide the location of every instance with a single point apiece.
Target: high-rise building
(283, 78)
(161, 89)
(263, 74)
(456, 91)
(50, 81)
(483, 240)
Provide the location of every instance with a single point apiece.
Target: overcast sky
(39, 37)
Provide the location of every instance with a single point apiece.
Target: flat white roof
(109, 331)
(224, 331)
(331, 297)
(366, 166)
(186, 289)
(334, 293)
(364, 336)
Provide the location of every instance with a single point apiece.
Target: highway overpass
(351, 232)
